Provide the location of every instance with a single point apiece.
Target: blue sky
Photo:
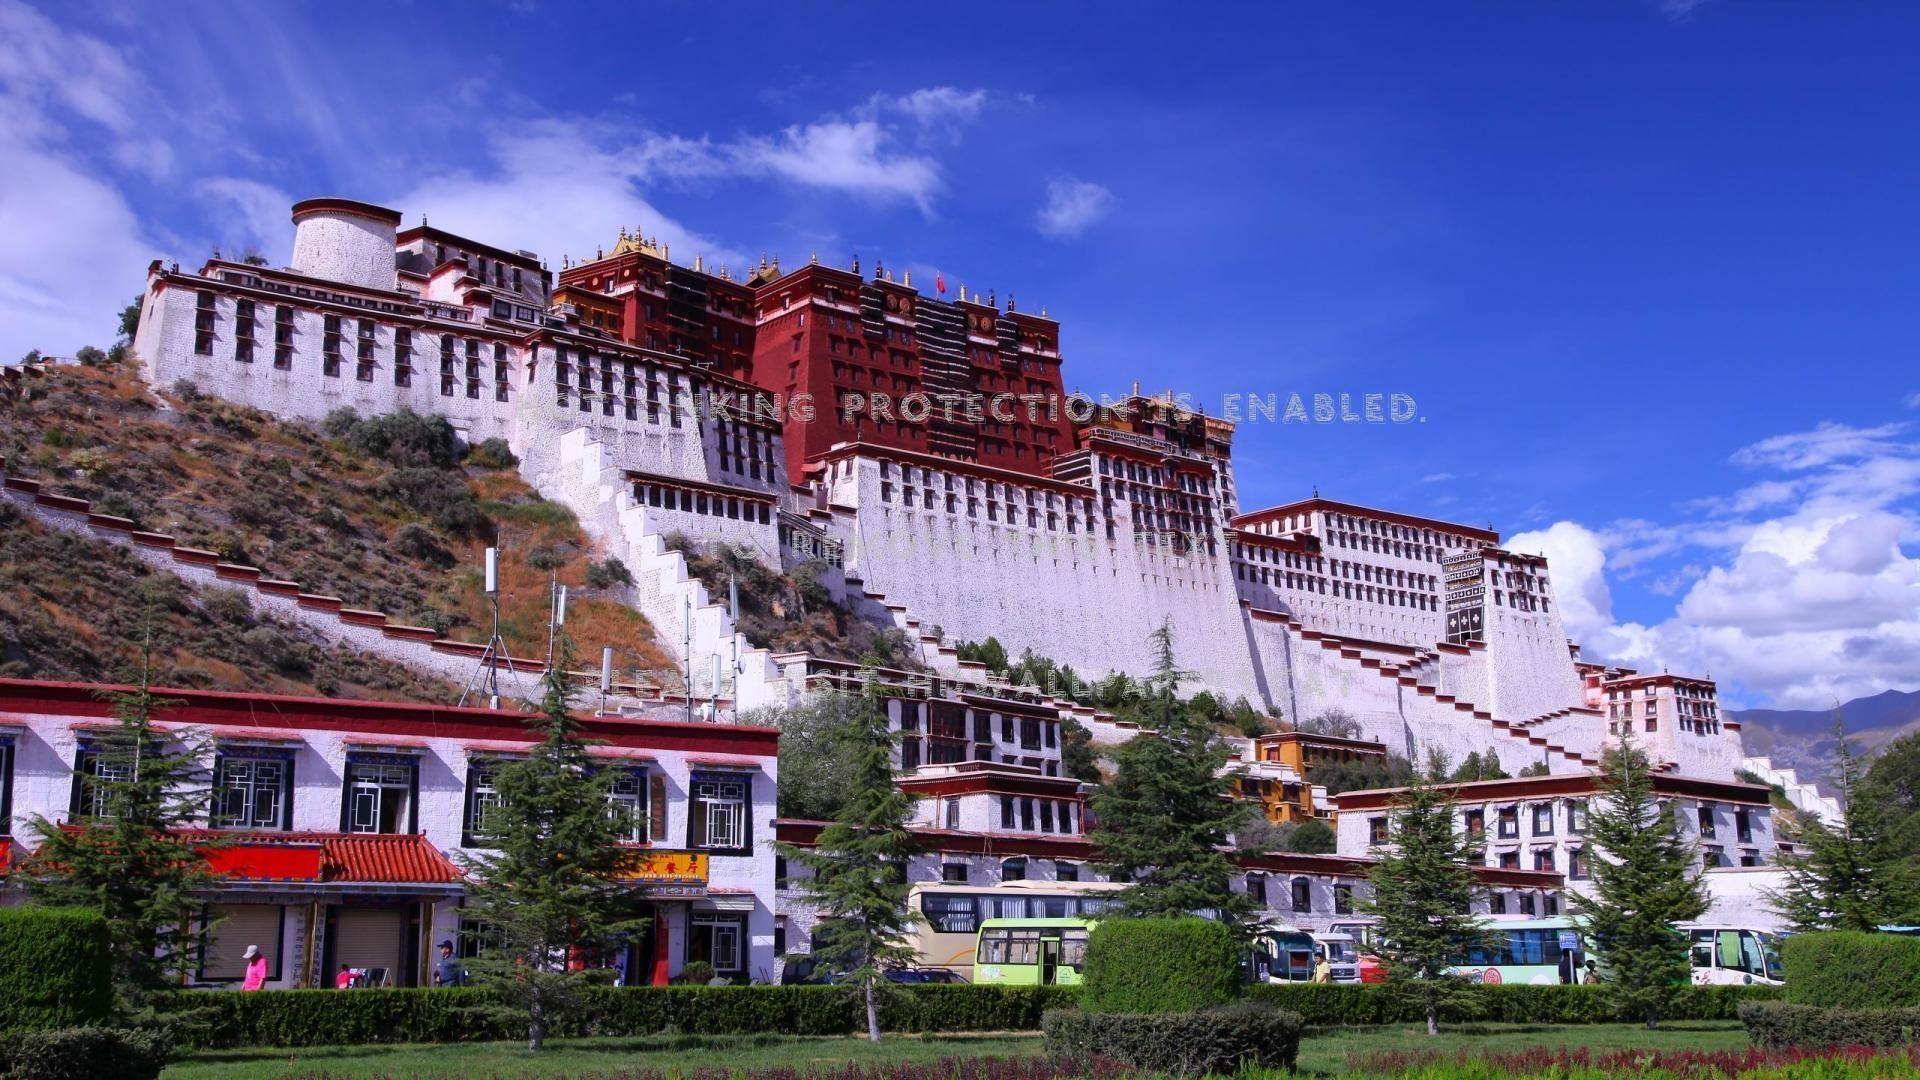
(1647, 269)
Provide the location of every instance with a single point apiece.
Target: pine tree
(1645, 879)
(1166, 816)
(1424, 887)
(135, 860)
(549, 891)
(859, 863)
(1850, 877)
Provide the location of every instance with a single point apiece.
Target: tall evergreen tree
(859, 863)
(1423, 893)
(1645, 879)
(549, 890)
(127, 853)
(1851, 876)
(1167, 815)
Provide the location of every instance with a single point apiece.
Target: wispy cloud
(1436, 478)
(1679, 10)
(1072, 207)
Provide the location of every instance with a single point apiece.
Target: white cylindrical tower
(345, 241)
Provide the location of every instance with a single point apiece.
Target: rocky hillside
(387, 513)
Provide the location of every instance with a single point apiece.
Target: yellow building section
(1284, 786)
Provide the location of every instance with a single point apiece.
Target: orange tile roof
(369, 857)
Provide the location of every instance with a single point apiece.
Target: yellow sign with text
(666, 867)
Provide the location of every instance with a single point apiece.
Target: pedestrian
(344, 980)
(447, 972)
(256, 969)
(1323, 971)
(1592, 977)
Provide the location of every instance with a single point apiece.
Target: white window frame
(240, 774)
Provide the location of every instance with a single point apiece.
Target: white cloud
(935, 110)
(850, 156)
(1814, 602)
(1913, 401)
(1679, 10)
(257, 213)
(1436, 478)
(74, 252)
(1072, 207)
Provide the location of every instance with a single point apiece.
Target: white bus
(1734, 955)
(946, 934)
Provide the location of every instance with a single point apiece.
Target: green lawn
(588, 1057)
(1323, 1052)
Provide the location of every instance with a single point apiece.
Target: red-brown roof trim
(324, 204)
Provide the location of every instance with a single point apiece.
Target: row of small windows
(380, 794)
(731, 507)
(625, 388)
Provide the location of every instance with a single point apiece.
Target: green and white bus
(1527, 951)
(947, 934)
(1032, 952)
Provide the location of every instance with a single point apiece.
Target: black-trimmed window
(483, 799)
(1302, 894)
(402, 356)
(1342, 899)
(720, 939)
(1577, 863)
(1496, 903)
(1014, 869)
(6, 777)
(203, 319)
(1066, 871)
(1577, 816)
(1543, 859)
(381, 794)
(282, 337)
(637, 802)
(1376, 830)
(1509, 819)
(1543, 819)
(253, 789)
(94, 774)
(330, 347)
(720, 813)
(363, 355)
(954, 873)
(1257, 888)
(243, 339)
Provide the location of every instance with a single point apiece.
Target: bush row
(55, 970)
(1780, 1024)
(1581, 1063)
(1223, 1041)
(336, 1017)
(1358, 1005)
(87, 1053)
(1852, 970)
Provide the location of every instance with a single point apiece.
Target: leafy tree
(133, 862)
(859, 863)
(1894, 783)
(1166, 815)
(1338, 723)
(1078, 759)
(1850, 876)
(1480, 767)
(817, 765)
(1311, 837)
(1368, 773)
(1538, 768)
(1423, 892)
(550, 887)
(130, 318)
(1645, 879)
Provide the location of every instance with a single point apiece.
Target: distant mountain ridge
(1802, 739)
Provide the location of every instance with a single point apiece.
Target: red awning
(325, 858)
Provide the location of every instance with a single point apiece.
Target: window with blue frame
(252, 789)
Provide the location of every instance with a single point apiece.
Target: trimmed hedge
(55, 968)
(1160, 965)
(1780, 1025)
(1354, 1005)
(1852, 970)
(88, 1053)
(1222, 1040)
(338, 1017)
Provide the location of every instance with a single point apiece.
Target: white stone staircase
(583, 478)
(1804, 796)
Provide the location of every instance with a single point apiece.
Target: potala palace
(920, 457)
(925, 453)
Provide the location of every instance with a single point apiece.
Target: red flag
(939, 282)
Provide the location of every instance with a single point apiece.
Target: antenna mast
(487, 679)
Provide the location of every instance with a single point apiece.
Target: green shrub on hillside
(1852, 970)
(1357, 1005)
(55, 968)
(1160, 965)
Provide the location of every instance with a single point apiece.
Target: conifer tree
(549, 889)
(1851, 876)
(1167, 815)
(1645, 879)
(128, 853)
(859, 863)
(1423, 892)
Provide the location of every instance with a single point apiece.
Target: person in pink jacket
(256, 969)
